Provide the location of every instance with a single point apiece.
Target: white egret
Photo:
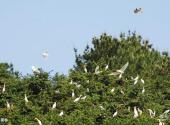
(45, 54)
(71, 82)
(112, 90)
(107, 66)
(136, 80)
(39, 122)
(85, 69)
(120, 71)
(151, 113)
(160, 122)
(25, 98)
(135, 113)
(35, 70)
(143, 90)
(97, 70)
(140, 111)
(142, 81)
(87, 90)
(84, 97)
(121, 91)
(72, 94)
(101, 107)
(57, 91)
(3, 89)
(8, 105)
(77, 99)
(61, 113)
(115, 113)
(54, 105)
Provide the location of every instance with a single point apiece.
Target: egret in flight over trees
(120, 71)
(45, 54)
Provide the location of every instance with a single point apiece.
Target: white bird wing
(124, 67)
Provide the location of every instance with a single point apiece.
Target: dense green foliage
(149, 64)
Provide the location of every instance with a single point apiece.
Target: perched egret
(135, 113)
(72, 94)
(120, 71)
(97, 70)
(138, 10)
(54, 105)
(25, 98)
(85, 69)
(121, 91)
(101, 107)
(142, 81)
(160, 122)
(57, 91)
(151, 113)
(166, 111)
(112, 90)
(4, 120)
(84, 97)
(87, 90)
(164, 115)
(115, 113)
(107, 66)
(45, 54)
(61, 113)
(8, 105)
(35, 70)
(143, 90)
(3, 89)
(71, 82)
(136, 80)
(39, 122)
(78, 85)
(77, 99)
(140, 111)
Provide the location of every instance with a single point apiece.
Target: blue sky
(28, 27)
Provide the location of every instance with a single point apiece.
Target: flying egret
(77, 99)
(137, 10)
(61, 113)
(45, 54)
(140, 111)
(35, 70)
(135, 113)
(25, 98)
(151, 113)
(115, 113)
(112, 90)
(143, 90)
(120, 71)
(54, 105)
(39, 122)
(84, 97)
(3, 89)
(72, 94)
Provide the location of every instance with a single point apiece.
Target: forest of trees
(117, 81)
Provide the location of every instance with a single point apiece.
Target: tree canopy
(94, 92)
